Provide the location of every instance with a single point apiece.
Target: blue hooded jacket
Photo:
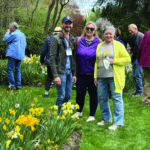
(46, 51)
(16, 44)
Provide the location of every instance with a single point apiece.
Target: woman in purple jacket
(143, 56)
(86, 56)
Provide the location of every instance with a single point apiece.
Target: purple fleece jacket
(86, 56)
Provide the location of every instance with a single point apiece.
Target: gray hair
(133, 26)
(109, 27)
(14, 25)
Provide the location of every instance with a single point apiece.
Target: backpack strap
(61, 33)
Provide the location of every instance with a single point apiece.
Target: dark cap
(67, 18)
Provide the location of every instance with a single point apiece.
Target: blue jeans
(104, 84)
(86, 83)
(64, 90)
(11, 64)
(137, 76)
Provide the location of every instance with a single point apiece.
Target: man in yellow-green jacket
(111, 58)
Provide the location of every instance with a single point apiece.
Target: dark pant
(86, 83)
(49, 78)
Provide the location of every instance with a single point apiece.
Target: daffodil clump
(29, 125)
(31, 70)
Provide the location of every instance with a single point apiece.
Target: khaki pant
(146, 89)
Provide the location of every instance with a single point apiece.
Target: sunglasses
(90, 29)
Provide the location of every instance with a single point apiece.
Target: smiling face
(67, 26)
(90, 30)
(109, 35)
(132, 31)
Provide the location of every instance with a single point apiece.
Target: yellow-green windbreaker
(121, 58)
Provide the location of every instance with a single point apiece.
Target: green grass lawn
(135, 135)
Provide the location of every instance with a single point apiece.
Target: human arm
(53, 55)
(8, 37)
(43, 52)
(122, 57)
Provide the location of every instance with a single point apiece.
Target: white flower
(14, 136)
(73, 106)
(17, 105)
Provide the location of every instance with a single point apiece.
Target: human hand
(57, 80)
(8, 30)
(95, 82)
(74, 79)
(111, 60)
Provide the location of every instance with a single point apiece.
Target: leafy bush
(31, 71)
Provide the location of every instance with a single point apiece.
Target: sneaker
(78, 114)
(102, 123)
(136, 94)
(17, 88)
(113, 127)
(91, 118)
(46, 95)
(11, 88)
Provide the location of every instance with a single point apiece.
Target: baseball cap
(67, 18)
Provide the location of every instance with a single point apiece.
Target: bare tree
(32, 14)
(57, 13)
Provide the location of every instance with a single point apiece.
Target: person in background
(143, 56)
(109, 73)
(118, 34)
(45, 61)
(16, 44)
(86, 56)
(137, 70)
(63, 62)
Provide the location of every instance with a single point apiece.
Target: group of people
(94, 65)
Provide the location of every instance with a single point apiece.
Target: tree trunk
(51, 29)
(50, 8)
(37, 3)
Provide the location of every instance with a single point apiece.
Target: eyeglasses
(90, 29)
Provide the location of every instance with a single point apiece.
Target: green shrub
(31, 72)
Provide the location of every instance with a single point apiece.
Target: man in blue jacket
(16, 44)
(45, 53)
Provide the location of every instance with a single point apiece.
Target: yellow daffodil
(4, 127)
(8, 143)
(7, 121)
(77, 106)
(69, 105)
(54, 113)
(52, 107)
(13, 112)
(21, 136)
(32, 128)
(58, 117)
(55, 107)
(32, 105)
(10, 134)
(63, 117)
(17, 129)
